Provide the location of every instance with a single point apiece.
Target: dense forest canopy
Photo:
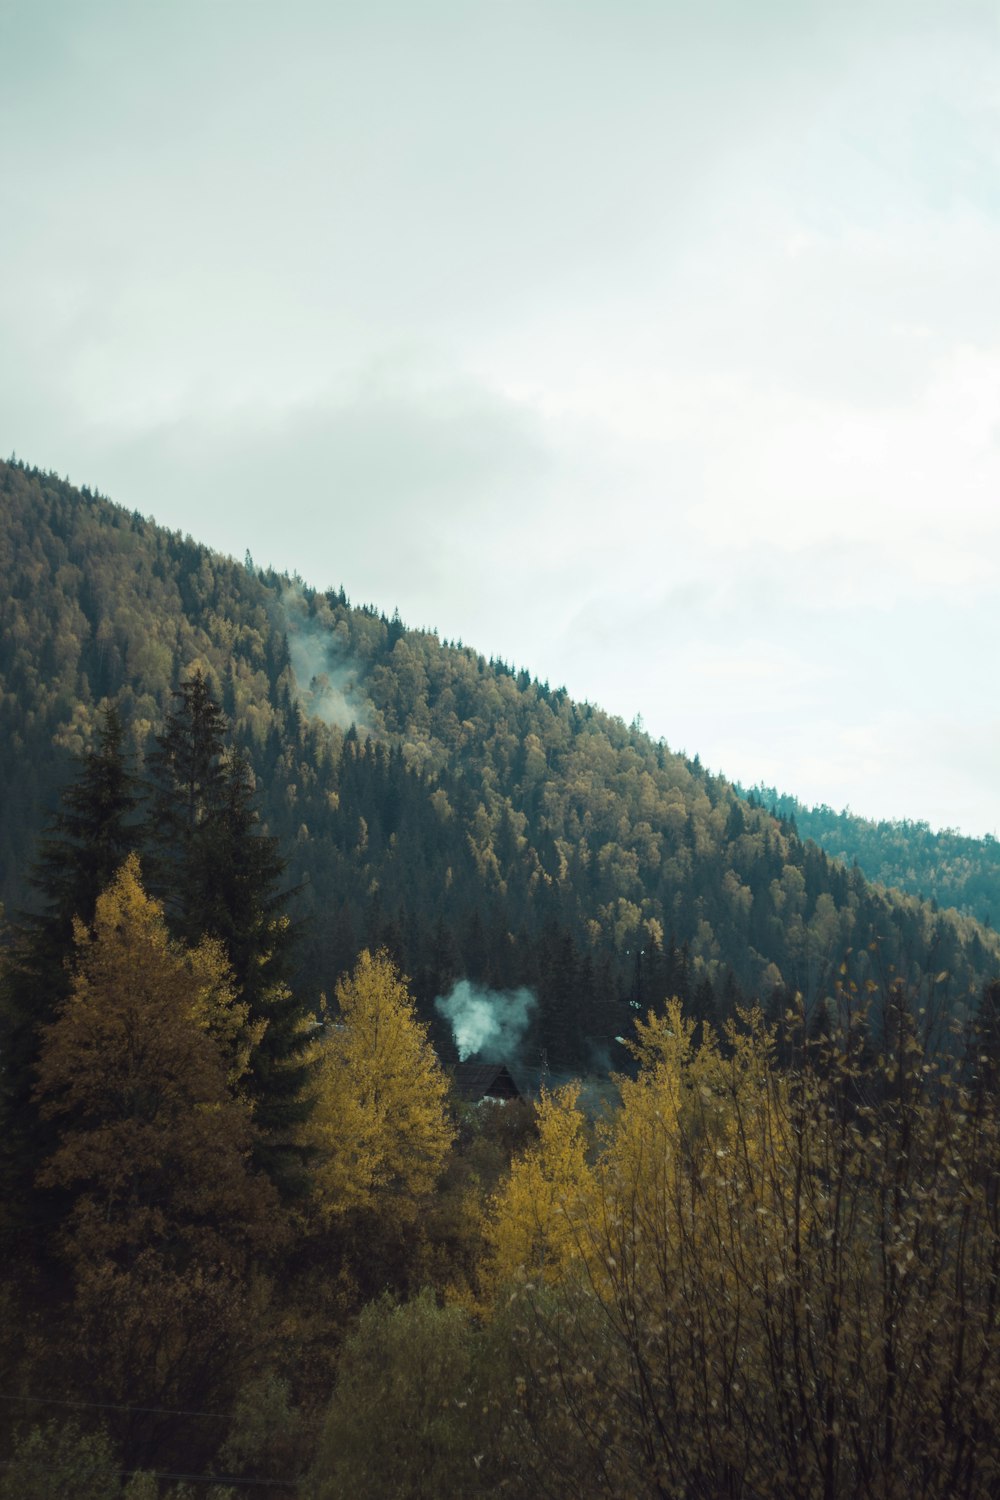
(476, 822)
(944, 865)
(263, 850)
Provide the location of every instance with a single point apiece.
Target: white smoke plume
(326, 682)
(486, 1023)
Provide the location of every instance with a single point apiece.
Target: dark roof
(482, 1080)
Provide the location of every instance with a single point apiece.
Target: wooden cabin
(476, 1080)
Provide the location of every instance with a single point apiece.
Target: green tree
(221, 876)
(91, 835)
(57, 1461)
(186, 790)
(93, 832)
(234, 885)
(414, 1365)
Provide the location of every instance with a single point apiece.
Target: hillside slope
(946, 866)
(478, 822)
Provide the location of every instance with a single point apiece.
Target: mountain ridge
(945, 865)
(475, 821)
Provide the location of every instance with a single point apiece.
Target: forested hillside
(475, 821)
(243, 1205)
(947, 867)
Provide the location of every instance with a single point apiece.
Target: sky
(653, 346)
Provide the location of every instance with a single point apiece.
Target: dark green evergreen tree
(655, 974)
(703, 1005)
(187, 793)
(559, 1024)
(678, 971)
(221, 876)
(91, 834)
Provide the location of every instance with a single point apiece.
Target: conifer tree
(220, 876)
(93, 833)
(90, 836)
(236, 895)
(186, 786)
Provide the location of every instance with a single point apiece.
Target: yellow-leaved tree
(536, 1218)
(140, 1070)
(165, 1216)
(779, 1281)
(380, 1131)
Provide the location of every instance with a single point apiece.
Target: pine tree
(235, 880)
(91, 835)
(559, 1029)
(219, 875)
(187, 791)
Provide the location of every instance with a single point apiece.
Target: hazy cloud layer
(653, 346)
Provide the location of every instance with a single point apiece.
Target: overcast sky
(654, 346)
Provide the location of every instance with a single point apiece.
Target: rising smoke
(487, 1023)
(326, 681)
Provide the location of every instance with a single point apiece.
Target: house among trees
(476, 1080)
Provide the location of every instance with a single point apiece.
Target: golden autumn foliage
(138, 1071)
(771, 1282)
(165, 1220)
(379, 1129)
(534, 1226)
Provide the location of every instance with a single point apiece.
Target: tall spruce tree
(218, 874)
(186, 793)
(91, 835)
(236, 881)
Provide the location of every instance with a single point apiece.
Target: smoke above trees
(485, 1023)
(326, 679)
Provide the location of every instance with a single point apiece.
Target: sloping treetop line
(477, 823)
(242, 1207)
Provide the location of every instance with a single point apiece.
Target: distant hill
(946, 867)
(478, 822)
